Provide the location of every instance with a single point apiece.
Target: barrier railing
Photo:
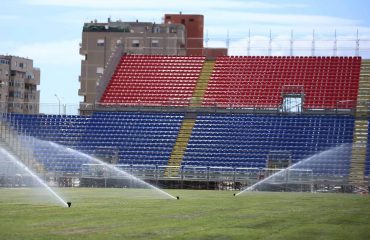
(259, 44)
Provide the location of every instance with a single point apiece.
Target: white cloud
(149, 4)
(60, 53)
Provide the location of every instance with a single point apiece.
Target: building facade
(18, 85)
(100, 40)
(194, 25)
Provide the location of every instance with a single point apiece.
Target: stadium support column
(360, 136)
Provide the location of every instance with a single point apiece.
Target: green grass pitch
(134, 214)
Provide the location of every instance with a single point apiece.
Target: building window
(191, 20)
(4, 61)
(100, 43)
(135, 43)
(30, 76)
(99, 70)
(156, 30)
(22, 65)
(155, 43)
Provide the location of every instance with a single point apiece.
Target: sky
(49, 31)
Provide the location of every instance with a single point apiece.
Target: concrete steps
(202, 84)
(179, 149)
(360, 135)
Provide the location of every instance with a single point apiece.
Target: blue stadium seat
(245, 140)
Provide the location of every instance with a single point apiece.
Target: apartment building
(18, 85)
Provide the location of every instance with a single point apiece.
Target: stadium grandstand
(199, 122)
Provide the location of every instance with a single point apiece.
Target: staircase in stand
(360, 136)
(202, 83)
(179, 149)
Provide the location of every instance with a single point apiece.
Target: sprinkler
(234, 194)
(178, 197)
(69, 204)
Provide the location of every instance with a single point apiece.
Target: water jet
(7, 155)
(88, 159)
(335, 159)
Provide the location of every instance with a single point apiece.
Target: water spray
(316, 157)
(114, 168)
(111, 167)
(11, 157)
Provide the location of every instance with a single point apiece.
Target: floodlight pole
(357, 51)
(58, 101)
(335, 48)
(270, 45)
(291, 42)
(249, 43)
(313, 44)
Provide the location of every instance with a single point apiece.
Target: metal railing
(247, 175)
(253, 45)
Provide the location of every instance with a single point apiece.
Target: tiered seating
(326, 82)
(246, 140)
(217, 140)
(138, 138)
(141, 138)
(153, 80)
(65, 130)
(367, 167)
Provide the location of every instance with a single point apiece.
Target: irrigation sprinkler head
(234, 194)
(178, 197)
(69, 204)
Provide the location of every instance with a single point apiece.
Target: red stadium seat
(153, 80)
(258, 81)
